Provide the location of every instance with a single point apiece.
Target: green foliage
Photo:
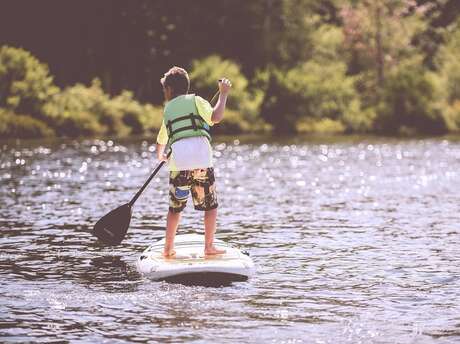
(139, 117)
(206, 72)
(321, 126)
(312, 90)
(25, 83)
(287, 36)
(81, 110)
(278, 107)
(244, 101)
(448, 77)
(22, 126)
(299, 66)
(408, 103)
(328, 43)
(452, 116)
(233, 123)
(358, 119)
(380, 34)
(27, 88)
(76, 111)
(448, 63)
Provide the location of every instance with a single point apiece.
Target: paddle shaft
(136, 196)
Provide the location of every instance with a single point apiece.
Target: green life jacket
(182, 120)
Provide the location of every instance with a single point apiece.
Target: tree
(25, 82)
(440, 14)
(313, 90)
(448, 66)
(409, 102)
(379, 34)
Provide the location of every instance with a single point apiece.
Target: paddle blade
(112, 228)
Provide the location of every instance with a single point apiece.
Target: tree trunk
(379, 48)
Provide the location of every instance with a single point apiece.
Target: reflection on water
(355, 239)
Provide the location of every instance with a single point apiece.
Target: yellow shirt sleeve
(204, 109)
(162, 137)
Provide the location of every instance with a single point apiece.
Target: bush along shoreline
(316, 96)
(32, 106)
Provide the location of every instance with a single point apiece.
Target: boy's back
(194, 151)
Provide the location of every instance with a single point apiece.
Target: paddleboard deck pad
(190, 266)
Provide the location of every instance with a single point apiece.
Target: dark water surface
(355, 241)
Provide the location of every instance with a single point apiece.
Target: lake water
(356, 240)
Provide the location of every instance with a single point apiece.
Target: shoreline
(241, 139)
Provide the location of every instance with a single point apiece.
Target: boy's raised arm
(219, 108)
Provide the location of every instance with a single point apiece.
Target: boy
(185, 129)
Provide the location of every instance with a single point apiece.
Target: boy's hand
(219, 108)
(163, 158)
(224, 86)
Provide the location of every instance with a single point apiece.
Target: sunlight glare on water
(355, 241)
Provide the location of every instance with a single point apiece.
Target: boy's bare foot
(169, 254)
(211, 251)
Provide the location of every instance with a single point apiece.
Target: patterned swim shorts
(200, 182)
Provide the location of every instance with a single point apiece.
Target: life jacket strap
(190, 116)
(195, 126)
(187, 128)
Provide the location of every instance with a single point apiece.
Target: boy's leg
(179, 189)
(210, 217)
(205, 199)
(172, 222)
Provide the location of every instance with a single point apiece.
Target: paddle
(112, 227)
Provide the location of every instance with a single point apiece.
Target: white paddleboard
(191, 266)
